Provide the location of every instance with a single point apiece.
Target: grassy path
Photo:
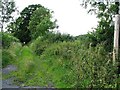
(24, 60)
(8, 83)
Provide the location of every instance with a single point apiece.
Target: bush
(9, 55)
(71, 65)
(7, 39)
(66, 65)
(58, 37)
(7, 58)
(15, 48)
(41, 43)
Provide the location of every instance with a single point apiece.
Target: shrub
(7, 58)
(71, 65)
(7, 39)
(66, 65)
(15, 48)
(58, 37)
(41, 43)
(9, 55)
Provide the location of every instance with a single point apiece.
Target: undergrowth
(65, 65)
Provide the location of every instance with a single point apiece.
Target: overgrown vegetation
(41, 43)
(60, 60)
(64, 65)
(7, 39)
(7, 55)
(29, 26)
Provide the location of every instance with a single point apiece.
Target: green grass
(10, 55)
(63, 65)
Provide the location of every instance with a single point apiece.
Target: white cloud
(72, 18)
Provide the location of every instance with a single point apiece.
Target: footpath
(8, 84)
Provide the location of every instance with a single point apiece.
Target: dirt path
(8, 83)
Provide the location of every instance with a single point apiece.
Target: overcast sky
(72, 18)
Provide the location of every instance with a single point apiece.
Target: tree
(7, 7)
(40, 22)
(20, 28)
(104, 32)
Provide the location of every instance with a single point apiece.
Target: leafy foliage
(41, 43)
(84, 38)
(62, 63)
(7, 58)
(58, 37)
(74, 66)
(104, 32)
(41, 25)
(60, 60)
(21, 29)
(7, 7)
(9, 54)
(7, 39)
(66, 65)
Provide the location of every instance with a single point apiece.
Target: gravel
(8, 83)
(9, 69)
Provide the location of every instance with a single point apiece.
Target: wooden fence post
(116, 39)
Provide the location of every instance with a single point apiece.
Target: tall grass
(25, 64)
(64, 65)
(9, 55)
(67, 65)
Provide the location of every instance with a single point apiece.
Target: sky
(71, 17)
